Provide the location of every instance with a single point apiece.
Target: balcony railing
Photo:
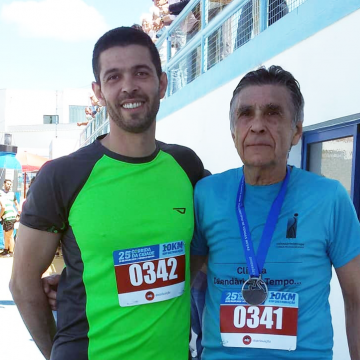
(208, 31)
(96, 127)
(202, 35)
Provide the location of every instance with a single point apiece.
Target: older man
(272, 233)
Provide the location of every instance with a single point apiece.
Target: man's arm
(34, 252)
(16, 205)
(350, 285)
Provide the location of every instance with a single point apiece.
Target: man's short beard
(135, 127)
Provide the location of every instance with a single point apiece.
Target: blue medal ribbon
(255, 263)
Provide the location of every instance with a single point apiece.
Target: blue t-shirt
(317, 228)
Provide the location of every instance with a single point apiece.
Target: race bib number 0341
(150, 274)
(272, 325)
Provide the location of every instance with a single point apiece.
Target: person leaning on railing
(249, 18)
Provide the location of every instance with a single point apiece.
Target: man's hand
(35, 250)
(50, 284)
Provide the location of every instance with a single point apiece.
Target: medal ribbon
(255, 263)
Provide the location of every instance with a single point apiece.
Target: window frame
(333, 132)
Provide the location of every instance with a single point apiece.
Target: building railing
(201, 36)
(208, 31)
(96, 127)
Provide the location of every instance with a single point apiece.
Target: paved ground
(16, 342)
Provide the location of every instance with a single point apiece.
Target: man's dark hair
(124, 36)
(7, 180)
(275, 75)
(137, 27)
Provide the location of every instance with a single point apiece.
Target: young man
(274, 237)
(8, 214)
(123, 209)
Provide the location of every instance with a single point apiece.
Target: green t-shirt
(127, 224)
(8, 201)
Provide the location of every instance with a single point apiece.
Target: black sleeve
(175, 9)
(55, 188)
(187, 159)
(44, 208)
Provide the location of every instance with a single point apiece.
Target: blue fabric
(2, 243)
(317, 228)
(198, 290)
(9, 161)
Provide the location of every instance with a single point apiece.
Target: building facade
(38, 120)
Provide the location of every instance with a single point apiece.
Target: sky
(48, 44)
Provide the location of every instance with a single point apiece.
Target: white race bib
(271, 325)
(150, 274)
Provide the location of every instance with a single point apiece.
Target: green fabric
(138, 212)
(7, 200)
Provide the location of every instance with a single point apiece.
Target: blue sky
(47, 44)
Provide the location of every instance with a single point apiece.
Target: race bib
(150, 274)
(272, 325)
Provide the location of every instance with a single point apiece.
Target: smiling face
(264, 131)
(130, 87)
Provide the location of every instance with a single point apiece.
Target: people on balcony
(249, 19)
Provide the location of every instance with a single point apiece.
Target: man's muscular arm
(35, 250)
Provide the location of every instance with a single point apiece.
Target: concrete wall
(61, 147)
(27, 107)
(22, 111)
(37, 139)
(327, 68)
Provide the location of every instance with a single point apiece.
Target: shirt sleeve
(199, 242)
(44, 208)
(345, 229)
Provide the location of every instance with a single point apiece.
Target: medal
(254, 291)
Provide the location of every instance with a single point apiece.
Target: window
(77, 113)
(334, 152)
(51, 119)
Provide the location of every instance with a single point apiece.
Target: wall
(38, 138)
(21, 114)
(61, 147)
(327, 68)
(27, 107)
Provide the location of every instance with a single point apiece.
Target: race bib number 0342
(150, 274)
(272, 325)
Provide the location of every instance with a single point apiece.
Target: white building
(43, 122)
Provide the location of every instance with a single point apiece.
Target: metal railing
(96, 127)
(202, 35)
(207, 31)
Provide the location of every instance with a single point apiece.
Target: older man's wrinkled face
(263, 126)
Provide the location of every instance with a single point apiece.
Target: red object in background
(30, 162)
